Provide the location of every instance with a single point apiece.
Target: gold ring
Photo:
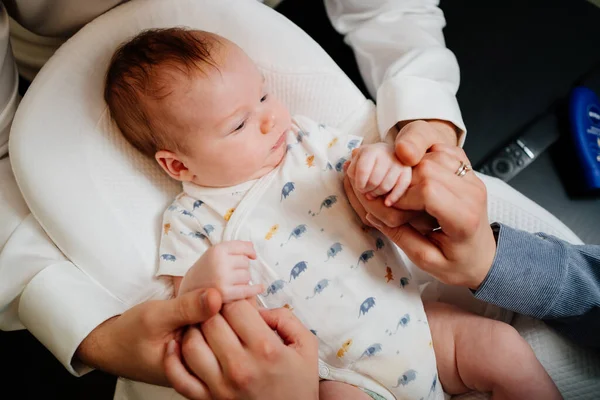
(463, 169)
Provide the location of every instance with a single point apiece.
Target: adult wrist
(94, 350)
(486, 266)
(448, 130)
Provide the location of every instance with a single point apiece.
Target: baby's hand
(374, 170)
(225, 267)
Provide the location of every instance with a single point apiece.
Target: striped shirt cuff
(527, 273)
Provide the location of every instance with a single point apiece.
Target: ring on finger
(463, 169)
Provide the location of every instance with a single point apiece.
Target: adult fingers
(390, 216)
(446, 198)
(249, 326)
(448, 157)
(413, 141)
(222, 339)
(290, 329)
(180, 378)
(417, 247)
(190, 308)
(424, 223)
(200, 358)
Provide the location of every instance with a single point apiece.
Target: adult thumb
(191, 308)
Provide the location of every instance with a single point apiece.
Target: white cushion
(101, 202)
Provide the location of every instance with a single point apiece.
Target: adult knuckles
(241, 376)
(268, 351)
(430, 190)
(424, 259)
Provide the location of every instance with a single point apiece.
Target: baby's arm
(376, 171)
(225, 267)
(189, 259)
(485, 355)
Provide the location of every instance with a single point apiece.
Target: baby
(263, 203)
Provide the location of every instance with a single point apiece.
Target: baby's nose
(267, 124)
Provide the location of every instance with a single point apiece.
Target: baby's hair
(141, 71)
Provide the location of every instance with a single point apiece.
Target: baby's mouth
(280, 141)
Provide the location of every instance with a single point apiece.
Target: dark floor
(517, 59)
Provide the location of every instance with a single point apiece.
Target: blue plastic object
(584, 118)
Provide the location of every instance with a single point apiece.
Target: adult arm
(546, 278)
(403, 59)
(78, 320)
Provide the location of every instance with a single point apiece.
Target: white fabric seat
(101, 202)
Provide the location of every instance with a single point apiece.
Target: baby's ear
(173, 165)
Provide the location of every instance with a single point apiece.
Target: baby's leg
(332, 390)
(477, 353)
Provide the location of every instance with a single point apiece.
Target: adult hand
(415, 138)
(133, 344)
(239, 356)
(461, 252)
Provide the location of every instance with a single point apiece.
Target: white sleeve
(183, 240)
(42, 291)
(402, 57)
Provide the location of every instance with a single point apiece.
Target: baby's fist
(225, 267)
(374, 170)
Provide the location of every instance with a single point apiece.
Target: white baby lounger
(101, 202)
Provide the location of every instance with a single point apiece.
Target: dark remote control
(523, 149)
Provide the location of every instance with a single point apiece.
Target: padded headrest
(99, 200)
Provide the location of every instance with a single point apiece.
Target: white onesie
(344, 281)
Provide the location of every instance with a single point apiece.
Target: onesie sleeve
(335, 145)
(184, 239)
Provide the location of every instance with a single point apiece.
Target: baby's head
(198, 104)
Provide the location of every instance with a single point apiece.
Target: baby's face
(234, 128)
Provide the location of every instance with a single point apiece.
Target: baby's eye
(264, 98)
(239, 128)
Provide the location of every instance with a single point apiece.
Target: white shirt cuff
(50, 301)
(410, 98)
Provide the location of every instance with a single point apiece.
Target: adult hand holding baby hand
(132, 345)
(462, 251)
(245, 353)
(225, 267)
(415, 138)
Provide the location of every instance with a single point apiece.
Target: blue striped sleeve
(546, 278)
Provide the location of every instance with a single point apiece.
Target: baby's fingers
(387, 182)
(242, 248)
(240, 292)
(402, 183)
(240, 276)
